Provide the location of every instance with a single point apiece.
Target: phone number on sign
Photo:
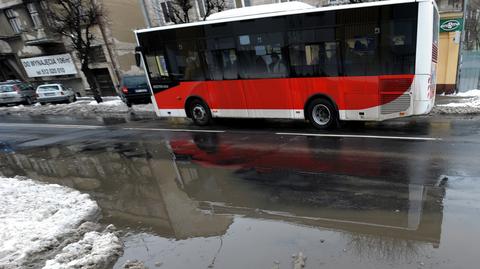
(51, 71)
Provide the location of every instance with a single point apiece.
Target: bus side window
(314, 53)
(261, 56)
(398, 46)
(221, 57)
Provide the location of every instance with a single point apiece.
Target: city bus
(357, 62)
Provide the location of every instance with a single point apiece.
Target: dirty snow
(93, 251)
(470, 93)
(117, 102)
(112, 106)
(467, 103)
(49, 224)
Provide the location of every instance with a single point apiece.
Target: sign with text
(451, 25)
(52, 65)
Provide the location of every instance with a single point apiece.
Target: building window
(32, 9)
(14, 21)
(97, 55)
(166, 10)
(238, 4)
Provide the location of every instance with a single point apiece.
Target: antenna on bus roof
(260, 9)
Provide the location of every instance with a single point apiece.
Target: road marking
(365, 136)
(73, 126)
(46, 125)
(174, 130)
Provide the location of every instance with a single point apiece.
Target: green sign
(451, 25)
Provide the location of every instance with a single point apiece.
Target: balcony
(450, 6)
(9, 3)
(39, 37)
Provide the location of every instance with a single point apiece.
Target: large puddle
(206, 200)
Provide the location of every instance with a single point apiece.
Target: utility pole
(460, 45)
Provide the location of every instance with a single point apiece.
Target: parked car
(51, 93)
(135, 90)
(16, 92)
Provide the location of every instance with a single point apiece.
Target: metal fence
(469, 73)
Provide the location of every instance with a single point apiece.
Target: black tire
(128, 103)
(200, 113)
(28, 101)
(74, 98)
(322, 114)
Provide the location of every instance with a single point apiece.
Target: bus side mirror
(138, 59)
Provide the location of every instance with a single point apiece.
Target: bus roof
(278, 13)
(259, 9)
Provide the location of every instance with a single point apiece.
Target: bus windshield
(156, 66)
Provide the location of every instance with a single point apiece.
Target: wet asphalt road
(250, 194)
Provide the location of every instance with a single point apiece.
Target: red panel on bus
(348, 93)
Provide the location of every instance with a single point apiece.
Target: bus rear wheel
(200, 113)
(322, 114)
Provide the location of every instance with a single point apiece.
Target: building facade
(27, 43)
(451, 27)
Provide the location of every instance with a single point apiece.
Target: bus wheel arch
(321, 111)
(198, 110)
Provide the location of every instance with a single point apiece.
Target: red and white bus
(363, 62)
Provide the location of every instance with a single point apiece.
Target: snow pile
(44, 222)
(467, 103)
(470, 93)
(85, 107)
(107, 103)
(93, 250)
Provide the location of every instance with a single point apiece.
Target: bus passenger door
(264, 71)
(225, 90)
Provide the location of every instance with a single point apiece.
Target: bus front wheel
(200, 113)
(322, 114)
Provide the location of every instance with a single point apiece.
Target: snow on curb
(112, 106)
(43, 221)
(464, 105)
(470, 93)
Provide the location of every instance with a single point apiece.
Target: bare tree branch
(213, 6)
(75, 19)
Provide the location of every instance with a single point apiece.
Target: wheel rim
(199, 113)
(321, 114)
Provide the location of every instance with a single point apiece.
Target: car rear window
(132, 82)
(7, 88)
(47, 88)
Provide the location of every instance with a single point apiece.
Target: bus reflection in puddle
(324, 185)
